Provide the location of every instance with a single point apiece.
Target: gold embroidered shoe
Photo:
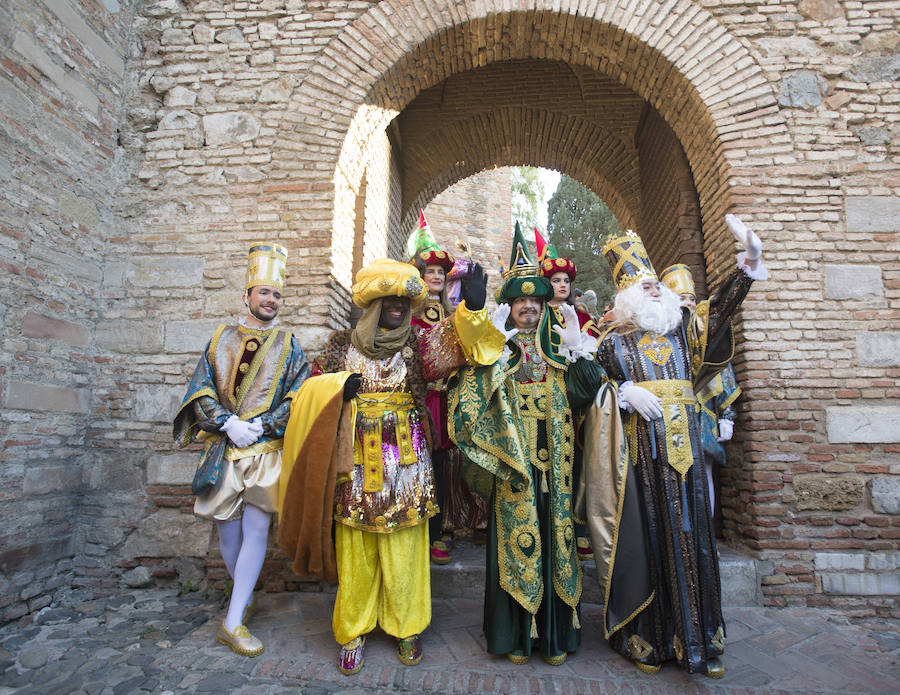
(518, 659)
(557, 660)
(409, 650)
(241, 641)
(440, 553)
(647, 668)
(715, 668)
(352, 656)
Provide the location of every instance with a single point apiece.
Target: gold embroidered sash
(371, 411)
(674, 395)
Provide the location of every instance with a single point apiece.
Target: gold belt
(674, 395)
(670, 390)
(369, 409)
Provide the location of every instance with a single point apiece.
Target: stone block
(113, 274)
(157, 402)
(803, 89)
(821, 11)
(83, 210)
(68, 265)
(865, 424)
(886, 494)
(175, 37)
(88, 37)
(179, 120)
(26, 395)
(880, 69)
(129, 337)
(42, 480)
(137, 577)
(225, 302)
(66, 80)
(37, 325)
(862, 584)
(740, 579)
(873, 136)
(172, 469)
(189, 336)
(883, 561)
(853, 282)
(872, 213)
(229, 128)
(840, 561)
(878, 349)
(831, 493)
(165, 271)
(168, 533)
(111, 472)
(180, 96)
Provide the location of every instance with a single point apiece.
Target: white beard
(661, 314)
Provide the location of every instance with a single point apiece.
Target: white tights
(243, 546)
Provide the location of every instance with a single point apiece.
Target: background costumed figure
(658, 352)
(561, 273)
(459, 507)
(238, 403)
(717, 395)
(357, 454)
(513, 422)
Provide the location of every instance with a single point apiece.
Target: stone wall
(325, 126)
(62, 83)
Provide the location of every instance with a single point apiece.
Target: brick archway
(677, 58)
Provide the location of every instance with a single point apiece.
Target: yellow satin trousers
(383, 579)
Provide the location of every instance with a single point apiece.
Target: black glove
(351, 386)
(473, 287)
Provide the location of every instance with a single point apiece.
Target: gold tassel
(534, 632)
(575, 623)
(544, 487)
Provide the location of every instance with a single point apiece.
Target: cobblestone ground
(158, 641)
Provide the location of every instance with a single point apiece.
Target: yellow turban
(385, 277)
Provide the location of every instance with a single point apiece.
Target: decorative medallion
(528, 287)
(656, 347)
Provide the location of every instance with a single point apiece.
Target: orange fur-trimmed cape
(318, 446)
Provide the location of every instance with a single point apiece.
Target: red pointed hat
(423, 250)
(549, 259)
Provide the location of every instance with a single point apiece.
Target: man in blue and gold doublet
(513, 421)
(657, 353)
(238, 403)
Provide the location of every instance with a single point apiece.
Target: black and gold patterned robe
(683, 620)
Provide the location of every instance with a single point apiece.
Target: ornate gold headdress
(266, 264)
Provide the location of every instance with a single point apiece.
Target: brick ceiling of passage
(524, 112)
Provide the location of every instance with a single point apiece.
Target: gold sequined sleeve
(481, 342)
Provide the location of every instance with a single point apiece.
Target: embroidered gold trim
(718, 640)
(276, 380)
(678, 647)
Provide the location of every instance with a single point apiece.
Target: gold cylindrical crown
(628, 260)
(266, 265)
(679, 279)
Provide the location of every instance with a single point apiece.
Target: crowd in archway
(547, 432)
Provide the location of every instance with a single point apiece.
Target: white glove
(570, 336)
(645, 402)
(726, 430)
(240, 432)
(745, 236)
(499, 321)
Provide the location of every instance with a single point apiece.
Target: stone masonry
(144, 144)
